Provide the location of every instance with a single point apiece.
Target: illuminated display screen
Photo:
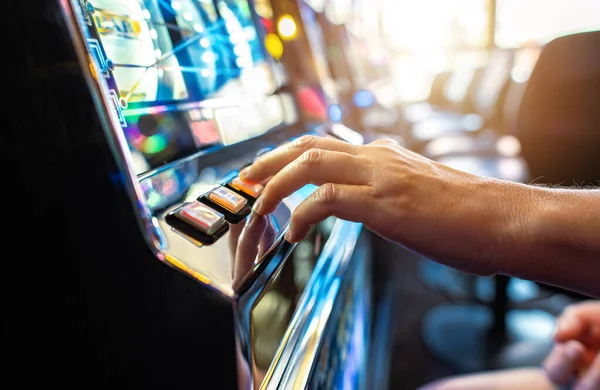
(137, 44)
(166, 61)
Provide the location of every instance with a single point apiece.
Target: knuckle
(376, 192)
(386, 142)
(305, 142)
(297, 218)
(311, 157)
(388, 148)
(389, 141)
(384, 149)
(328, 193)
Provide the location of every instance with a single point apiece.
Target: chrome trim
(312, 313)
(247, 301)
(111, 124)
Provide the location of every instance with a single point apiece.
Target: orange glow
(173, 261)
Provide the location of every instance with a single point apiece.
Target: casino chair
(451, 95)
(485, 93)
(499, 136)
(558, 125)
(435, 101)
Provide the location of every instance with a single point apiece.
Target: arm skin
(476, 224)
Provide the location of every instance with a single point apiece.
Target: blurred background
(501, 88)
(428, 37)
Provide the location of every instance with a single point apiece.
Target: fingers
(568, 327)
(268, 238)
(590, 379)
(564, 362)
(580, 322)
(232, 240)
(247, 248)
(271, 163)
(349, 202)
(314, 166)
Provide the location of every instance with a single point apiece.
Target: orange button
(228, 199)
(253, 190)
(202, 217)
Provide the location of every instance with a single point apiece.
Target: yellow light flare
(274, 45)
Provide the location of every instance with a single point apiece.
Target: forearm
(553, 236)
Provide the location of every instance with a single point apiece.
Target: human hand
(400, 195)
(248, 242)
(576, 356)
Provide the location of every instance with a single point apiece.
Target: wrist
(514, 226)
(537, 231)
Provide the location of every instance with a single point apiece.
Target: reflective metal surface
(308, 325)
(112, 125)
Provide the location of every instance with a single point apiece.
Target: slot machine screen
(180, 72)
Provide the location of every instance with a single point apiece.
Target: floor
(410, 364)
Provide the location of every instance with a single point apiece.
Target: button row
(207, 219)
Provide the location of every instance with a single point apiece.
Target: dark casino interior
(134, 259)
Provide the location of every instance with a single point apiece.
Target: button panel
(201, 217)
(199, 222)
(228, 199)
(232, 205)
(250, 191)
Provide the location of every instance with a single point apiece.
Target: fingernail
(258, 205)
(244, 173)
(289, 236)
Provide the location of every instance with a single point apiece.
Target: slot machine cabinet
(330, 18)
(126, 122)
(303, 53)
(358, 95)
(359, 58)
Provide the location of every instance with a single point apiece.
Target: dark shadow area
(410, 364)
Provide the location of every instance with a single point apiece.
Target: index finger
(272, 162)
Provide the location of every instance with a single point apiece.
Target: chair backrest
(525, 59)
(457, 87)
(493, 82)
(436, 93)
(559, 117)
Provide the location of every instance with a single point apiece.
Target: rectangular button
(228, 199)
(202, 217)
(253, 190)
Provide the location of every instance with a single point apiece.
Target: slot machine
(143, 266)
(359, 66)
